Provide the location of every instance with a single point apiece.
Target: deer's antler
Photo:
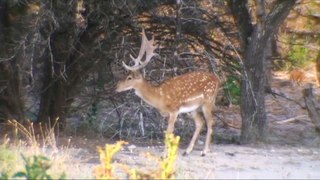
(147, 47)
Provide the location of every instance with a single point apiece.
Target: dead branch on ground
(313, 107)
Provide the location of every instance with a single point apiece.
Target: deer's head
(135, 77)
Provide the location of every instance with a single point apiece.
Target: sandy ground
(224, 162)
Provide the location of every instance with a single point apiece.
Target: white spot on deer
(161, 92)
(194, 98)
(186, 109)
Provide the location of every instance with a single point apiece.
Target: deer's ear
(136, 74)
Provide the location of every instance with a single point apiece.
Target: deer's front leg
(171, 121)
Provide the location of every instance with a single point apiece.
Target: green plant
(36, 139)
(92, 114)
(167, 164)
(7, 161)
(232, 89)
(165, 168)
(106, 169)
(4, 176)
(298, 56)
(36, 167)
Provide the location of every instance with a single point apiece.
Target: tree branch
(280, 11)
(242, 17)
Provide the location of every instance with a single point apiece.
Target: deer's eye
(129, 78)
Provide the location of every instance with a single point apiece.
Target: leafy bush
(232, 90)
(7, 161)
(166, 165)
(36, 167)
(298, 56)
(106, 169)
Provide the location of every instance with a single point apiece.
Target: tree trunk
(11, 104)
(3, 18)
(53, 100)
(254, 41)
(253, 114)
(53, 97)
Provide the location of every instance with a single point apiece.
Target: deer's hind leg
(207, 108)
(199, 124)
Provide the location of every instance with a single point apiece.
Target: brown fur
(189, 92)
(297, 76)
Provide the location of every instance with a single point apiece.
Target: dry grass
(27, 142)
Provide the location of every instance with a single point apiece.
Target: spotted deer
(190, 92)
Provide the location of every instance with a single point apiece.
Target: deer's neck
(148, 93)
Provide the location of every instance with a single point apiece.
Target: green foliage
(7, 161)
(4, 176)
(106, 169)
(165, 169)
(167, 164)
(36, 167)
(18, 6)
(92, 114)
(298, 56)
(232, 89)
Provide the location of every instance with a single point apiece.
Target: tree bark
(254, 42)
(3, 18)
(253, 112)
(11, 104)
(53, 100)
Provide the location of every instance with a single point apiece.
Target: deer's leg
(210, 123)
(171, 121)
(199, 124)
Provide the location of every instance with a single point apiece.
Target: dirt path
(224, 162)
(237, 162)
